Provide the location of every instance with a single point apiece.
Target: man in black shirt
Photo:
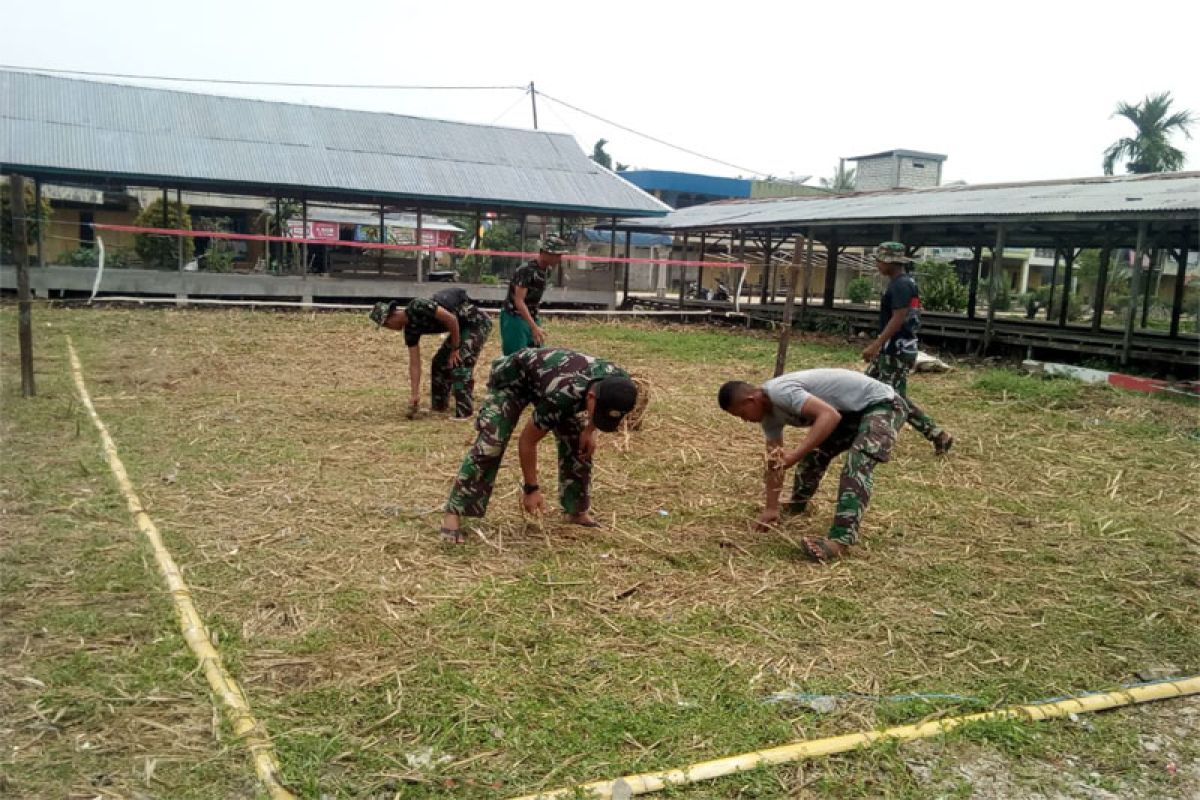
(519, 323)
(453, 369)
(893, 354)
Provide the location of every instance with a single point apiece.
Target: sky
(1016, 91)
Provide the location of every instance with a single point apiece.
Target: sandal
(942, 444)
(453, 536)
(822, 549)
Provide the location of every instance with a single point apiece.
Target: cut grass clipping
(1053, 552)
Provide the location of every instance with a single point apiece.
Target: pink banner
(317, 230)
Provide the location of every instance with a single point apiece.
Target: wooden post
(612, 253)
(1053, 283)
(1135, 281)
(41, 223)
(789, 305)
(418, 240)
(382, 237)
(699, 269)
(742, 259)
(831, 265)
(1181, 257)
(625, 274)
(808, 271)
(304, 236)
(16, 190)
(768, 284)
(1101, 288)
(1154, 257)
(1069, 256)
(683, 272)
(533, 101)
(973, 291)
(993, 286)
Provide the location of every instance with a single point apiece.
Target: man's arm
(451, 324)
(527, 451)
(773, 481)
(825, 419)
(519, 293)
(414, 374)
(899, 317)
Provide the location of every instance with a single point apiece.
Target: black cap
(615, 397)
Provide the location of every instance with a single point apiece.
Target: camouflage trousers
(444, 380)
(893, 370)
(869, 438)
(498, 417)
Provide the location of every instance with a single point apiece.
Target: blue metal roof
(56, 126)
(693, 183)
(636, 240)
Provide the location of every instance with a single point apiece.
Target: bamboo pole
(707, 770)
(237, 710)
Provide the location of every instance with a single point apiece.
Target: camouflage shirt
(422, 319)
(533, 278)
(554, 379)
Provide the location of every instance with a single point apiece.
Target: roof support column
(382, 238)
(420, 242)
(1053, 284)
(16, 190)
(1069, 254)
(789, 306)
(700, 269)
(304, 234)
(1101, 288)
(767, 278)
(1151, 291)
(994, 275)
(1135, 286)
(181, 292)
(42, 222)
(626, 265)
(831, 266)
(683, 272)
(808, 271)
(973, 290)
(1181, 257)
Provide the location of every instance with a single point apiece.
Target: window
(918, 165)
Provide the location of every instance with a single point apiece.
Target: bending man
(845, 411)
(453, 369)
(520, 326)
(573, 395)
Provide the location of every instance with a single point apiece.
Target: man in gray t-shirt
(846, 412)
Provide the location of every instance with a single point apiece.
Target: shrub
(941, 290)
(860, 290)
(158, 250)
(90, 257)
(31, 227)
(1003, 300)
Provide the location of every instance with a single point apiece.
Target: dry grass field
(1054, 551)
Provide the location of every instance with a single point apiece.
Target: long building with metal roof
(65, 129)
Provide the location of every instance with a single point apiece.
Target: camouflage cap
(382, 310)
(891, 253)
(554, 245)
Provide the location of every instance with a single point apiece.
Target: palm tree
(1150, 150)
(842, 180)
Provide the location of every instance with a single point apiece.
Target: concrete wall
(893, 172)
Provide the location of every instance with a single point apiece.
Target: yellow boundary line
(707, 770)
(237, 710)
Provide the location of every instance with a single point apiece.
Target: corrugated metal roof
(1107, 197)
(902, 154)
(63, 125)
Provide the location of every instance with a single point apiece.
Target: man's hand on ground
(767, 520)
(533, 503)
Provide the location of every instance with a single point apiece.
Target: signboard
(434, 238)
(325, 231)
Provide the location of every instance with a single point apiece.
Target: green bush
(90, 257)
(941, 290)
(31, 227)
(158, 250)
(1074, 306)
(1003, 300)
(860, 290)
(489, 279)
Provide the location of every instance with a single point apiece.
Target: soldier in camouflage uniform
(520, 325)
(453, 368)
(893, 354)
(847, 412)
(573, 395)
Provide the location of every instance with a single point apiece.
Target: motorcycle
(722, 292)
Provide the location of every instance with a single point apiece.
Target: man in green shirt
(520, 326)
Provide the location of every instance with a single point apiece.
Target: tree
(160, 250)
(599, 156)
(842, 180)
(941, 290)
(1150, 150)
(33, 219)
